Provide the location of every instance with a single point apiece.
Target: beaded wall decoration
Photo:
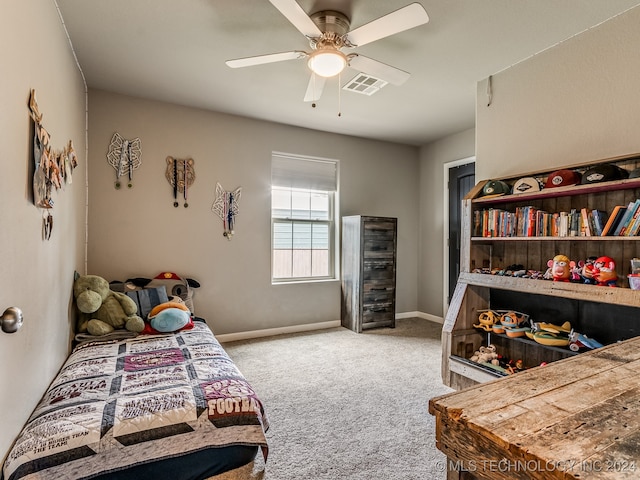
(180, 174)
(226, 206)
(124, 156)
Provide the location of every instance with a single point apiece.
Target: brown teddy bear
(486, 354)
(103, 310)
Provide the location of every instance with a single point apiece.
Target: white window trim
(334, 230)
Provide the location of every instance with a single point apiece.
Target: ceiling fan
(328, 33)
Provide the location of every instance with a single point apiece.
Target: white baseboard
(269, 332)
(426, 316)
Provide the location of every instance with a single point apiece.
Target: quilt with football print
(121, 403)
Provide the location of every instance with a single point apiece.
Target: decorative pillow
(148, 298)
(169, 317)
(169, 304)
(149, 330)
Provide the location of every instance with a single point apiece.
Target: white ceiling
(174, 51)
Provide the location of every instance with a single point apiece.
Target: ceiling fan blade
(297, 16)
(403, 19)
(314, 88)
(378, 69)
(261, 59)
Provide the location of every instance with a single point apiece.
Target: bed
(154, 406)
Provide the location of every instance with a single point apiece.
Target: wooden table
(577, 418)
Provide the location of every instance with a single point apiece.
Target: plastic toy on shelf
(605, 272)
(486, 320)
(550, 334)
(560, 268)
(578, 341)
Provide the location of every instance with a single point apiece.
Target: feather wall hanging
(180, 174)
(52, 167)
(226, 206)
(124, 156)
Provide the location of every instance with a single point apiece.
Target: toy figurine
(560, 268)
(514, 367)
(588, 270)
(605, 272)
(576, 272)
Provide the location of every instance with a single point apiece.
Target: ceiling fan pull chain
(313, 77)
(339, 95)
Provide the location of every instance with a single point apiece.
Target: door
(461, 179)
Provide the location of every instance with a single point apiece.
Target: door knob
(11, 320)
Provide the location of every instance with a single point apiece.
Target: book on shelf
(624, 221)
(574, 223)
(585, 227)
(563, 226)
(632, 225)
(555, 222)
(477, 223)
(530, 221)
(614, 218)
(599, 220)
(542, 219)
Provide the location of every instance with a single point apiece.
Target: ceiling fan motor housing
(332, 24)
(326, 59)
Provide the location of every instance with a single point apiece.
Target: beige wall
(570, 104)
(37, 275)
(575, 102)
(138, 232)
(432, 189)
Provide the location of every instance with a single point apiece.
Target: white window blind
(290, 171)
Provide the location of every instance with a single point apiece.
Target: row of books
(624, 220)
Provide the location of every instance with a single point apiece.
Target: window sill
(306, 280)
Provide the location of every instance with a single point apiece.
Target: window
(303, 206)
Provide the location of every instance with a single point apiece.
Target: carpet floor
(344, 405)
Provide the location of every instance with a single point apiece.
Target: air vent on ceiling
(365, 84)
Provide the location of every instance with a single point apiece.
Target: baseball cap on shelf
(562, 178)
(495, 188)
(525, 185)
(604, 173)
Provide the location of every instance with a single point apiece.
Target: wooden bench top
(577, 418)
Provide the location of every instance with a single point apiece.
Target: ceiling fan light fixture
(327, 62)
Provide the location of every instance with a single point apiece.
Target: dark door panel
(461, 180)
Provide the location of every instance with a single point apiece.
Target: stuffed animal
(486, 354)
(103, 310)
(169, 317)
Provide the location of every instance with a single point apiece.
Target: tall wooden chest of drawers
(368, 272)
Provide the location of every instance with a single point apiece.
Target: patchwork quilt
(121, 403)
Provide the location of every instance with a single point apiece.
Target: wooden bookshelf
(611, 313)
